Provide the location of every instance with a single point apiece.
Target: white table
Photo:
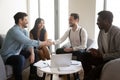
(72, 69)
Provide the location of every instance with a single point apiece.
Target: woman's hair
(35, 28)
(37, 22)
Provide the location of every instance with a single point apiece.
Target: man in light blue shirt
(18, 46)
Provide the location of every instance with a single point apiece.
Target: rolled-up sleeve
(63, 38)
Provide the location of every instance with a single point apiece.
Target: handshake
(47, 43)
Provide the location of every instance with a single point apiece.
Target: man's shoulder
(68, 30)
(83, 30)
(15, 27)
(115, 29)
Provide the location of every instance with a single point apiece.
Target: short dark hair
(106, 15)
(19, 15)
(75, 15)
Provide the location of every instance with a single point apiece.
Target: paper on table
(75, 63)
(41, 64)
(66, 68)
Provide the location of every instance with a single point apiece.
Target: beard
(25, 25)
(71, 25)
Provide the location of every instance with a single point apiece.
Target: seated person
(108, 47)
(39, 33)
(18, 46)
(77, 37)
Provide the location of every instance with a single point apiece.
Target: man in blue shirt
(18, 46)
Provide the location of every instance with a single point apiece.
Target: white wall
(86, 10)
(99, 7)
(8, 8)
(32, 12)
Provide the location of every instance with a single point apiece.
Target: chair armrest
(111, 70)
(2, 70)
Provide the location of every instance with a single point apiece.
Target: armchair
(111, 70)
(6, 70)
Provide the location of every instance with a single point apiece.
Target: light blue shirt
(16, 39)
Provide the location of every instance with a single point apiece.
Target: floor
(26, 74)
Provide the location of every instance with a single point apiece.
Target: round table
(74, 68)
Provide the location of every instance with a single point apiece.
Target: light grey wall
(86, 10)
(8, 8)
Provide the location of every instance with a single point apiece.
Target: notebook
(61, 60)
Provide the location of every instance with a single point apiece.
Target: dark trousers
(18, 61)
(74, 53)
(88, 61)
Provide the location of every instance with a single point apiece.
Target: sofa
(2, 70)
(6, 70)
(111, 70)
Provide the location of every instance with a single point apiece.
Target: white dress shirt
(105, 41)
(75, 38)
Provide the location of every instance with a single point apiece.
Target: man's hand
(68, 49)
(46, 43)
(95, 52)
(32, 58)
(53, 43)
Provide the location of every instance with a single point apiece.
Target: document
(73, 62)
(41, 64)
(70, 68)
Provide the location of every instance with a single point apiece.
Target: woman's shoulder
(43, 30)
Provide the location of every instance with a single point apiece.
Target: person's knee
(21, 60)
(83, 58)
(37, 54)
(59, 50)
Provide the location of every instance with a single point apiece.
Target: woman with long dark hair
(39, 33)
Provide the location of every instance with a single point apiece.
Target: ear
(106, 21)
(77, 20)
(20, 20)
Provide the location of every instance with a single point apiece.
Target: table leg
(54, 77)
(44, 74)
(76, 76)
(51, 76)
(68, 76)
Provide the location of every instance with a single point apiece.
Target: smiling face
(104, 20)
(41, 24)
(23, 22)
(103, 24)
(100, 23)
(72, 21)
